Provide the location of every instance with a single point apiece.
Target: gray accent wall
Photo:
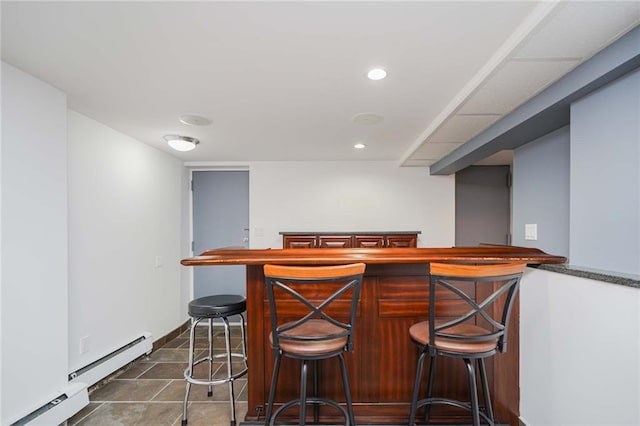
(581, 184)
(541, 192)
(605, 177)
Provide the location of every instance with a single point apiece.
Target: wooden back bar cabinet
(394, 296)
(390, 239)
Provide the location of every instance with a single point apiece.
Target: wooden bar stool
(209, 308)
(313, 309)
(472, 336)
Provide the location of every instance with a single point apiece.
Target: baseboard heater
(108, 364)
(75, 395)
(72, 399)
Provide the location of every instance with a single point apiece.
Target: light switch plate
(531, 231)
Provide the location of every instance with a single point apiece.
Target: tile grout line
(152, 365)
(163, 388)
(178, 419)
(100, 404)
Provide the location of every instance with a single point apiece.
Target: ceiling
(284, 80)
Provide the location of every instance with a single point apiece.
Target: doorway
(220, 219)
(483, 206)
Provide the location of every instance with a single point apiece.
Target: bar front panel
(382, 366)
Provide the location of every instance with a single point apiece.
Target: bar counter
(381, 369)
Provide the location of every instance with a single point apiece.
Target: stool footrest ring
(312, 400)
(188, 378)
(222, 355)
(453, 402)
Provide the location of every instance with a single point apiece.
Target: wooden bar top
(480, 254)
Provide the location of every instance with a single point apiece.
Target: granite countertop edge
(604, 276)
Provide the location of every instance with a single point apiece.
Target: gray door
(220, 219)
(483, 203)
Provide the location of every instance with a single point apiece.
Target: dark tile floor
(150, 390)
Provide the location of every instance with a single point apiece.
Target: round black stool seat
(217, 306)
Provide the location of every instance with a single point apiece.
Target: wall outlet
(84, 345)
(531, 231)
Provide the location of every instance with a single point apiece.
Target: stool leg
(210, 340)
(272, 392)
(416, 389)
(316, 407)
(303, 392)
(432, 375)
(347, 392)
(473, 391)
(232, 399)
(191, 348)
(485, 389)
(243, 328)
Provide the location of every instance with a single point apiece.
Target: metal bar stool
(209, 308)
(310, 329)
(472, 334)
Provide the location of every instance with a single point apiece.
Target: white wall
(579, 351)
(349, 196)
(125, 212)
(34, 244)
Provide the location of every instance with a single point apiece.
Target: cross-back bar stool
(471, 336)
(221, 306)
(310, 328)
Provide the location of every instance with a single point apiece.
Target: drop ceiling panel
(579, 29)
(515, 83)
(461, 128)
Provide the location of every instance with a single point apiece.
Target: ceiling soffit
(556, 38)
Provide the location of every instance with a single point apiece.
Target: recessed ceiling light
(194, 120)
(359, 146)
(181, 143)
(366, 118)
(377, 74)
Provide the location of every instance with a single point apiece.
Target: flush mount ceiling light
(377, 74)
(181, 143)
(194, 120)
(359, 146)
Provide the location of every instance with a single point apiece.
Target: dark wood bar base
(381, 369)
